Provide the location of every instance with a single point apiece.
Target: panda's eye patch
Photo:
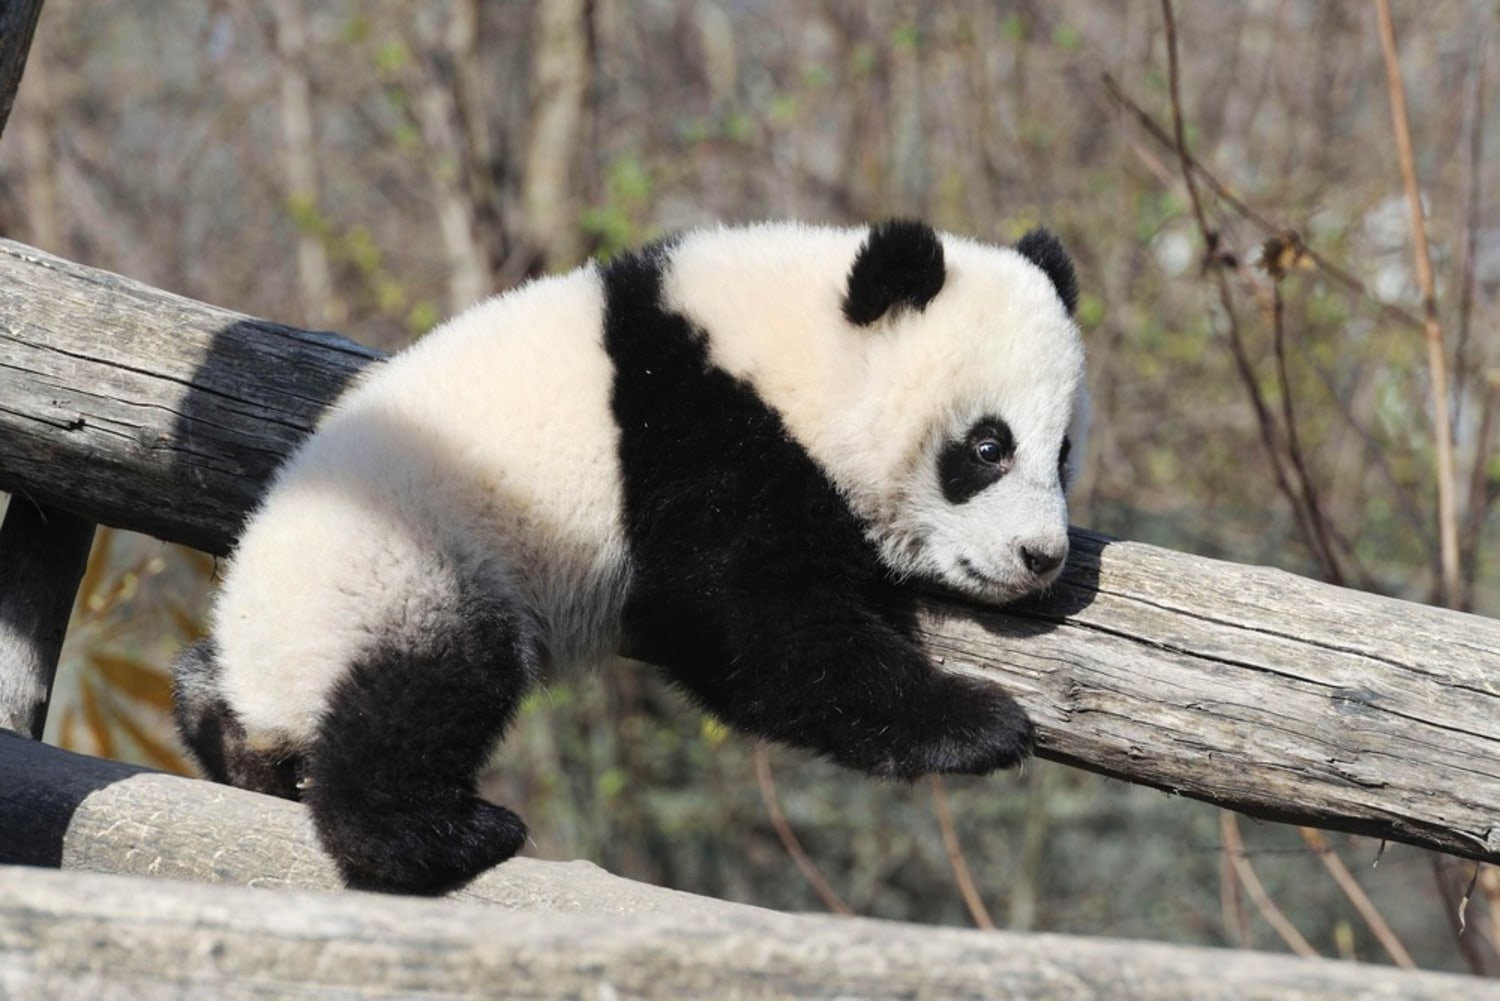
(983, 455)
(1062, 460)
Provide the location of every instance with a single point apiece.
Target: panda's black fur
(753, 570)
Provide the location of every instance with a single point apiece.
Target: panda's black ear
(1044, 250)
(900, 265)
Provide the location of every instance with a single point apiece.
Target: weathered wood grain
(64, 810)
(86, 935)
(1256, 689)
(1247, 687)
(137, 408)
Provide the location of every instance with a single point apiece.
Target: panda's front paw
(966, 727)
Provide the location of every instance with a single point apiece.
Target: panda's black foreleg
(825, 672)
(391, 777)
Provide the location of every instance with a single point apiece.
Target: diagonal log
(1246, 687)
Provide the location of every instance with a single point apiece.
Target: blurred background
(1261, 386)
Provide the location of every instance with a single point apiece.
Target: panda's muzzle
(1041, 563)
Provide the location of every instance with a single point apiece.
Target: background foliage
(374, 166)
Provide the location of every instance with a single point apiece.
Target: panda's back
(482, 459)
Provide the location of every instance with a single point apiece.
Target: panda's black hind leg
(392, 774)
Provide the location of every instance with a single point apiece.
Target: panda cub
(728, 454)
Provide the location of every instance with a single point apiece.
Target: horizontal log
(64, 810)
(162, 940)
(144, 410)
(1247, 687)
(558, 933)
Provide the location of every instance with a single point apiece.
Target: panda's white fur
(475, 487)
(872, 410)
(488, 450)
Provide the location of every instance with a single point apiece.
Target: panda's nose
(1042, 562)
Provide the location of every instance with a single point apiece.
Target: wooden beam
(140, 409)
(84, 934)
(1247, 687)
(71, 811)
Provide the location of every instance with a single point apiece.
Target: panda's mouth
(976, 573)
(993, 589)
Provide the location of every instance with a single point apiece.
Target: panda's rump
(337, 575)
(478, 465)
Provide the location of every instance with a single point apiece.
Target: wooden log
(1255, 689)
(43, 552)
(87, 935)
(140, 409)
(64, 810)
(1247, 687)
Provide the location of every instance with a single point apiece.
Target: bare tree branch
(1450, 577)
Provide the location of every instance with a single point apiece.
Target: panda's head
(937, 381)
(964, 407)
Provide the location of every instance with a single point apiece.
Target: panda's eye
(988, 451)
(991, 445)
(967, 465)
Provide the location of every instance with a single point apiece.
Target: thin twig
(1232, 902)
(956, 862)
(1322, 546)
(1477, 502)
(1234, 848)
(1473, 193)
(1214, 262)
(1357, 896)
(1179, 130)
(1267, 225)
(788, 837)
(1472, 955)
(1432, 330)
(1376, 457)
(1463, 905)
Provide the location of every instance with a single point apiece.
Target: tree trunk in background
(483, 161)
(437, 107)
(300, 164)
(560, 80)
